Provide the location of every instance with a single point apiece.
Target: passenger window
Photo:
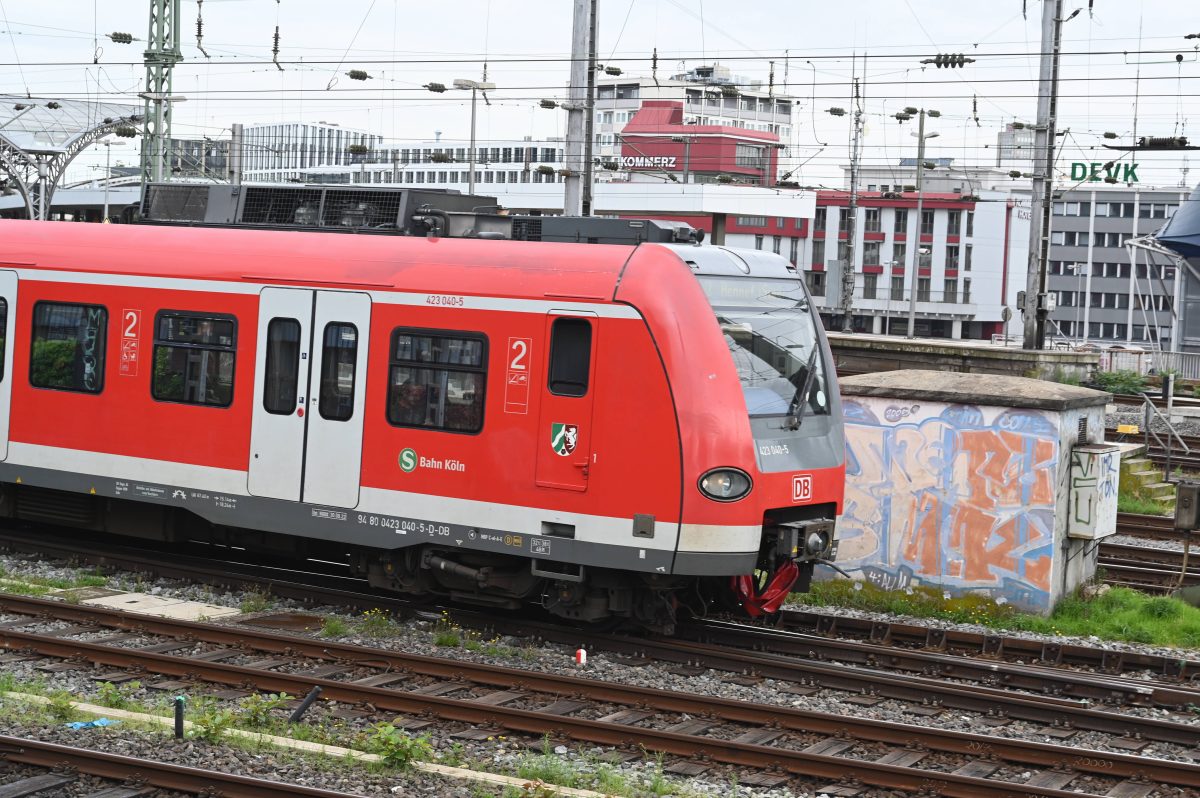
(68, 347)
(283, 366)
(338, 359)
(3, 333)
(194, 358)
(437, 380)
(570, 356)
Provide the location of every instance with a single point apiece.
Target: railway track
(1151, 527)
(918, 649)
(474, 701)
(52, 770)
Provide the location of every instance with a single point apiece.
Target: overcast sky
(1119, 69)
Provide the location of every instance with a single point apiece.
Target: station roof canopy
(45, 124)
(1182, 232)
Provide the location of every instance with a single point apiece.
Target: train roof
(401, 263)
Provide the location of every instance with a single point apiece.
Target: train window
(338, 359)
(68, 347)
(570, 356)
(283, 366)
(437, 380)
(3, 333)
(193, 358)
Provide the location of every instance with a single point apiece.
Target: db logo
(802, 488)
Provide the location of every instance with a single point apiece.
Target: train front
(772, 511)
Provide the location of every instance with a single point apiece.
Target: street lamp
(1080, 270)
(108, 145)
(921, 138)
(476, 87)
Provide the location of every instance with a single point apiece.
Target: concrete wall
(966, 497)
(854, 353)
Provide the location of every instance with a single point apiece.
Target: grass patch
(550, 768)
(334, 627)
(1127, 503)
(377, 623)
(1117, 614)
(256, 602)
(1133, 498)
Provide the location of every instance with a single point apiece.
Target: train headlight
(725, 484)
(816, 542)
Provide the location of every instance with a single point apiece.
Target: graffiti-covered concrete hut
(975, 482)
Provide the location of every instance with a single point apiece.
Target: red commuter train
(611, 431)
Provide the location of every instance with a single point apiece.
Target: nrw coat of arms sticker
(563, 438)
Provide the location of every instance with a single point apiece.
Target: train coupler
(802, 541)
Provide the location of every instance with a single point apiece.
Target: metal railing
(1151, 412)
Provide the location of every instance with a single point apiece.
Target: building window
(777, 244)
(758, 242)
(818, 253)
(870, 285)
(819, 220)
(901, 221)
(950, 290)
(900, 254)
(437, 380)
(924, 258)
(816, 283)
(795, 259)
(871, 252)
(752, 221)
(748, 155)
(967, 257)
(926, 223)
(970, 223)
(966, 292)
(953, 222)
(952, 256)
(871, 220)
(897, 287)
(843, 251)
(844, 220)
(68, 347)
(922, 289)
(194, 358)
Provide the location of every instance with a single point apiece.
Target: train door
(307, 428)
(281, 387)
(8, 321)
(564, 452)
(336, 398)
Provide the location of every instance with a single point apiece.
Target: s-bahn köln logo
(563, 438)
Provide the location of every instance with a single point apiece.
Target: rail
(157, 774)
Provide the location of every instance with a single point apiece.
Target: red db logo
(802, 488)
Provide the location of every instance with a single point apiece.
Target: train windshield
(769, 328)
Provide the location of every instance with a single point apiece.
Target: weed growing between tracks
(1117, 614)
(41, 585)
(216, 723)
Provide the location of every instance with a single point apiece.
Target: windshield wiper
(800, 401)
